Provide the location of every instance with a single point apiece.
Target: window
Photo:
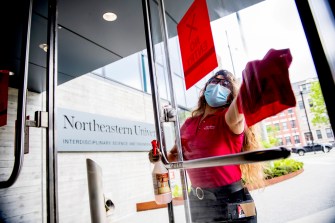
(288, 140)
(284, 124)
(117, 70)
(192, 96)
(280, 141)
(301, 105)
(296, 139)
(179, 89)
(305, 87)
(308, 136)
(277, 127)
(292, 123)
(290, 111)
(161, 81)
(329, 133)
(318, 133)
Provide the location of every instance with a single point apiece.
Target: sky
(269, 24)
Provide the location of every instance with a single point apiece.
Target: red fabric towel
(4, 77)
(266, 89)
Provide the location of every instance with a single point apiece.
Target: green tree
(272, 140)
(319, 111)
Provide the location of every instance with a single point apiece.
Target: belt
(212, 193)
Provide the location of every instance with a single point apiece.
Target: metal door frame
(51, 72)
(320, 59)
(52, 76)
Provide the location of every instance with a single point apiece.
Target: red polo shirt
(211, 137)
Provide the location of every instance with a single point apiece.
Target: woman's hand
(154, 158)
(171, 156)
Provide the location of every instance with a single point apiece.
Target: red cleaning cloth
(4, 77)
(266, 89)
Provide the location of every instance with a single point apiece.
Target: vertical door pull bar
(22, 95)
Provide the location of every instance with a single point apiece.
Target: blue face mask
(216, 95)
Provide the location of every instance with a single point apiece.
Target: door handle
(40, 121)
(22, 95)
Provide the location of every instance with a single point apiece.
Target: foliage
(177, 191)
(281, 167)
(272, 140)
(318, 109)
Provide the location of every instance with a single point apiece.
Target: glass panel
(104, 106)
(105, 113)
(131, 76)
(245, 34)
(178, 83)
(25, 200)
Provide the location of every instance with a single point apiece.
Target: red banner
(4, 76)
(196, 43)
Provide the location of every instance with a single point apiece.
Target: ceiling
(86, 41)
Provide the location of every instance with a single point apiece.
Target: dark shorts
(219, 206)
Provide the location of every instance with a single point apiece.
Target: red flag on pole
(196, 43)
(4, 76)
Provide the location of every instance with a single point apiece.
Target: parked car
(324, 147)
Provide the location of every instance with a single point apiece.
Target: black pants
(219, 209)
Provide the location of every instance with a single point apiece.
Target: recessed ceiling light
(44, 47)
(110, 16)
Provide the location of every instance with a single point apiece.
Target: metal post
(321, 61)
(174, 104)
(95, 192)
(51, 156)
(152, 73)
(153, 83)
(309, 127)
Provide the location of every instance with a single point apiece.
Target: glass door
(119, 80)
(105, 114)
(243, 32)
(23, 103)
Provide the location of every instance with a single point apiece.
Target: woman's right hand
(154, 158)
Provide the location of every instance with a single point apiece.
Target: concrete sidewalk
(326, 216)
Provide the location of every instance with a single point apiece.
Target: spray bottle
(160, 177)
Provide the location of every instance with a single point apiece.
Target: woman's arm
(234, 119)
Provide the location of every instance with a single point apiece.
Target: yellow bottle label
(161, 183)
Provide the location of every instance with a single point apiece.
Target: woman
(216, 128)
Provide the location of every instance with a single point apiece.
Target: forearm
(234, 118)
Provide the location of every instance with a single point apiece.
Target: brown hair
(252, 174)
(232, 87)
